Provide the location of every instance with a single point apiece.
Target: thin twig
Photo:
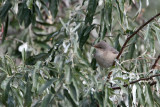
(155, 63)
(129, 37)
(156, 75)
(134, 33)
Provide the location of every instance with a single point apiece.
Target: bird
(105, 54)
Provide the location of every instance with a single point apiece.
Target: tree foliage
(47, 54)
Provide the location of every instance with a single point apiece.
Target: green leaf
(156, 98)
(6, 86)
(46, 101)
(68, 75)
(117, 44)
(157, 33)
(24, 14)
(93, 64)
(109, 13)
(107, 102)
(42, 44)
(121, 79)
(28, 95)
(31, 60)
(5, 29)
(123, 104)
(92, 5)
(119, 10)
(69, 98)
(140, 93)
(149, 97)
(37, 10)
(53, 7)
(29, 3)
(4, 10)
(46, 85)
(99, 96)
(19, 98)
(147, 32)
(85, 31)
(11, 62)
(73, 92)
(131, 49)
(103, 27)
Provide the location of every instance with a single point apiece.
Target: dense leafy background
(47, 54)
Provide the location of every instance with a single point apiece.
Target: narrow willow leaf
(109, 13)
(4, 10)
(28, 95)
(92, 5)
(123, 104)
(156, 98)
(11, 62)
(24, 56)
(46, 85)
(27, 19)
(54, 34)
(53, 7)
(68, 76)
(5, 29)
(85, 35)
(64, 25)
(10, 101)
(24, 14)
(149, 96)
(6, 84)
(29, 3)
(122, 88)
(68, 96)
(37, 10)
(35, 75)
(17, 95)
(46, 101)
(107, 101)
(140, 93)
(99, 97)
(103, 27)
(93, 64)
(132, 48)
(31, 60)
(120, 11)
(42, 44)
(147, 32)
(7, 67)
(2, 69)
(157, 33)
(73, 92)
(75, 83)
(134, 94)
(117, 44)
(121, 79)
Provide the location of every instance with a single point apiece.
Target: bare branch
(134, 33)
(126, 85)
(155, 63)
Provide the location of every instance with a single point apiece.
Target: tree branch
(156, 75)
(155, 63)
(134, 33)
(129, 37)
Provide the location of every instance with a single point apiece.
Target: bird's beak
(95, 46)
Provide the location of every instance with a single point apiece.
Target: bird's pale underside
(105, 54)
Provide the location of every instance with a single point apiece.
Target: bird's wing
(114, 50)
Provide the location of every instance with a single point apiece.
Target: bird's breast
(105, 59)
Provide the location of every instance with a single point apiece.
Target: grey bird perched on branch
(105, 54)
